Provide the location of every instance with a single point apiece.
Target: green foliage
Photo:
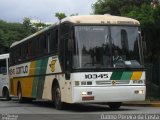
(39, 26)
(11, 32)
(156, 16)
(144, 14)
(142, 10)
(74, 14)
(27, 27)
(60, 16)
(108, 7)
(27, 22)
(116, 7)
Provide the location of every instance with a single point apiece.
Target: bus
(4, 77)
(82, 59)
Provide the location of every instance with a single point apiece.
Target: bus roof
(89, 19)
(101, 19)
(4, 56)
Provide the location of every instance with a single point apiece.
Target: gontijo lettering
(22, 69)
(19, 70)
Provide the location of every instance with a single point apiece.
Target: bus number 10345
(95, 76)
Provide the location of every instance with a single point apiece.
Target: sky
(44, 10)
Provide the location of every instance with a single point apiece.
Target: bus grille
(117, 82)
(103, 82)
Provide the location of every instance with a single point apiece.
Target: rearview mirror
(67, 75)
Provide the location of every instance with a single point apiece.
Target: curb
(142, 104)
(155, 104)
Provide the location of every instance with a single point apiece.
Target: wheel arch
(54, 83)
(4, 89)
(18, 84)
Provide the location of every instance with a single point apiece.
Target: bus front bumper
(108, 94)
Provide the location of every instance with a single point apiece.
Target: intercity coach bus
(83, 59)
(4, 77)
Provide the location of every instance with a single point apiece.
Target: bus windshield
(106, 47)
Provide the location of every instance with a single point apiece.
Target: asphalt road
(40, 110)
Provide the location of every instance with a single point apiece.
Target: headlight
(139, 92)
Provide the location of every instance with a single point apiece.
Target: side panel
(36, 78)
(53, 72)
(24, 75)
(4, 78)
(3, 82)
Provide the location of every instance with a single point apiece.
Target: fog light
(84, 93)
(138, 91)
(141, 92)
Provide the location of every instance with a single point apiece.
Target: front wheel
(57, 98)
(115, 105)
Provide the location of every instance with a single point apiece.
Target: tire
(19, 94)
(57, 98)
(6, 94)
(114, 105)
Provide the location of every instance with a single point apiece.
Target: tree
(108, 6)
(39, 26)
(60, 16)
(27, 26)
(116, 7)
(26, 22)
(11, 32)
(144, 14)
(74, 14)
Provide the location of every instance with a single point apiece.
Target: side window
(43, 44)
(65, 30)
(19, 53)
(53, 40)
(65, 38)
(3, 66)
(11, 56)
(33, 48)
(29, 49)
(26, 51)
(48, 41)
(37, 46)
(22, 52)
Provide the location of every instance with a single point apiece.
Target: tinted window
(43, 44)
(3, 69)
(53, 40)
(106, 46)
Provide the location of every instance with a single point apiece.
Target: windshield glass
(106, 47)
